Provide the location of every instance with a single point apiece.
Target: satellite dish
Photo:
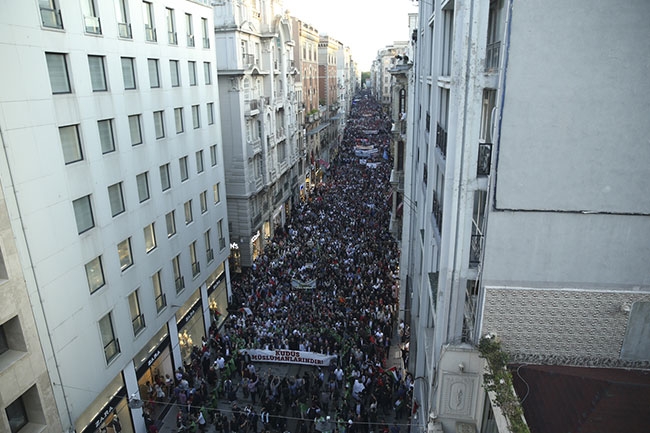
(135, 403)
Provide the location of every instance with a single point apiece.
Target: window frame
(89, 211)
(191, 71)
(129, 73)
(214, 157)
(216, 193)
(76, 148)
(111, 132)
(178, 120)
(150, 242)
(113, 340)
(210, 110)
(135, 312)
(158, 292)
(203, 201)
(187, 208)
(207, 73)
(200, 166)
(139, 139)
(100, 69)
(170, 223)
(111, 197)
(90, 267)
(159, 124)
(64, 73)
(124, 265)
(143, 186)
(196, 116)
(184, 168)
(175, 73)
(165, 177)
(154, 71)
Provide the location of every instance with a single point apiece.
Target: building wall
(53, 252)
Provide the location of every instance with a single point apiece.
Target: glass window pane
(191, 66)
(165, 182)
(196, 117)
(170, 219)
(178, 117)
(210, 107)
(188, 212)
(134, 129)
(173, 68)
(149, 238)
(128, 73)
(124, 253)
(182, 163)
(70, 144)
(213, 155)
(97, 75)
(16, 415)
(159, 123)
(207, 73)
(83, 214)
(116, 199)
(154, 78)
(143, 186)
(106, 138)
(58, 71)
(95, 274)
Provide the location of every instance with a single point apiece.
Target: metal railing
(92, 25)
(222, 243)
(484, 161)
(172, 38)
(441, 139)
(124, 30)
(437, 212)
(209, 255)
(475, 246)
(150, 33)
(492, 54)
(206, 42)
(138, 323)
(51, 18)
(180, 284)
(196, 268)
(161, 302)
(112, 349)
(190, 40)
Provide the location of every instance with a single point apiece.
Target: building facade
(527, 217)
(112, 158)
(328, 91)
(264, 169)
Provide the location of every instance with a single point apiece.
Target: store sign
(99, 419)
(290, 357)
(152, 358)
(186, 318)
(217, 282)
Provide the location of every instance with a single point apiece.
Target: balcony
(475, 248)
(484, 161)
(124, 30)
(196, 269)
(441, 140)
(492, 56)
(209, 255)
(172, 38)
(190, 40)
(437, 213)
(92, 25)
(180, 284)
(51, 18)
(161, 302)
(138, 324)
(150, 33)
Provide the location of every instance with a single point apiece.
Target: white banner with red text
(290, 357)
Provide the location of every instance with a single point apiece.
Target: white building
(264, 168)
(526, 212)
(113, 175)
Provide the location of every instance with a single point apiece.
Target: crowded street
(312, 340)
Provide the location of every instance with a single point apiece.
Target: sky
(366, 26)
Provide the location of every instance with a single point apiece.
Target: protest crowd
(327, 283)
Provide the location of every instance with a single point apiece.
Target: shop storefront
(191, 328)
(217, 296)
(152, 365)
(256, 245)
(109, 413)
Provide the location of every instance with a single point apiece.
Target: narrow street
(326, 286)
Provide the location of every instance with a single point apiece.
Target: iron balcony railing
(161, 302)
(492, 56)
(209, 255)
(475, 246)
(180, 284)
(437, 212)
(222, 243)
(206, 42)
(51, 18)
(150, 33)
(138, 323)
(124, 30)
(196, 268)
(92, 25)
(190, 40)
(172, 38)
(484, 161)
(112, 349)
(441, 139)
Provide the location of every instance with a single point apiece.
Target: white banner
(289, 357)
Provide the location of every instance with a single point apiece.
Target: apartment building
(113, 177)
(328, 91)
(264, 168)
(305, 54)
(526, 214)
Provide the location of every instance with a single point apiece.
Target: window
(165, 181)
(143, 186)
(11, 337)
(159, 123)
(171, 28)
(213, 155)
(199, 161)
(196, 266)
(135, 130)
(91, 18)
(179, 282)
(111, 344)
(123, 24)
(97, 73)
(128, 72)
(124, 253)
(222, 239)
(182, 163)
(57, 68)
(170, 220)
(207, 73)
(149, 238)
(210, 108)
(106, 137)
(209, 253)
(178, 118)
(191, 68)
(159, 295)
(50, 14)
(95, 274)
(83, 214)
(154, 74)
(190, 30)
(70, 143)
(203, 200)
(215, 192)
(188, 211)
(116, 199)
(149, 28)
(175, 73)
(205, 30)
(196, 117)
(137, 318)
(17, 415)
